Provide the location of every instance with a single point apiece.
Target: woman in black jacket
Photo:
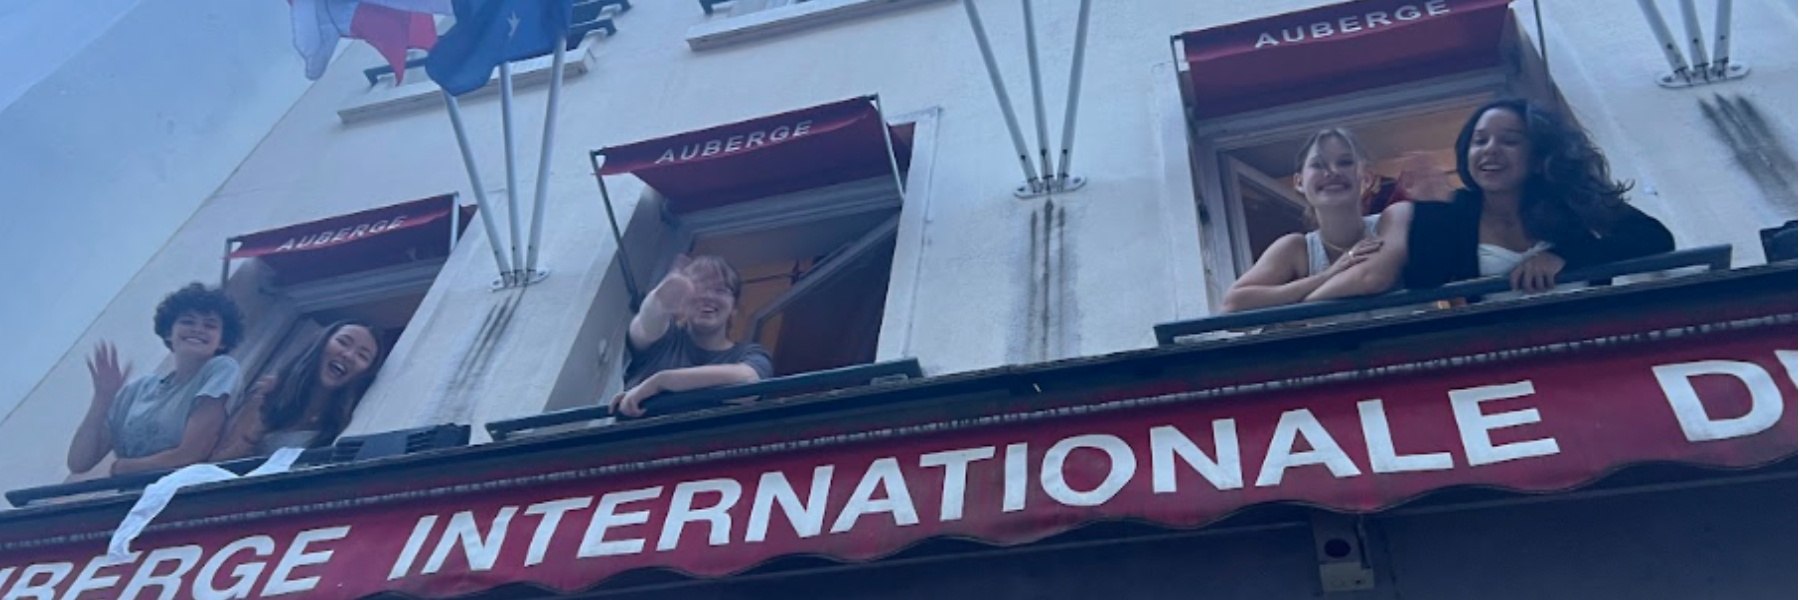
(1539, 200)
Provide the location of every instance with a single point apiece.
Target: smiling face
(347, 354)
(1499, 154)
(196, 334)
(710, 306)
(1332, 174)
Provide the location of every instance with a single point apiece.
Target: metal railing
(1711, 257)
(680, 402)
(347, 449)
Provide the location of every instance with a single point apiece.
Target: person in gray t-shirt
(164, 420)
(678, 338)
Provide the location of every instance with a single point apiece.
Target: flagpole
(543, 172)
(481, 203)
(512, 171)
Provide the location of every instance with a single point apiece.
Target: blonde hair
(1343, 135)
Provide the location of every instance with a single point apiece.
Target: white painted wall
(1120, 268)
(119, 119)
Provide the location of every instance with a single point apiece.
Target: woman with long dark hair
(1539, 199)
(308, 401)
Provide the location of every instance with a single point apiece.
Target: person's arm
(1276, 279)
(93, 439)
(197, 440)
(1381, 271)
(654, 319)
(246, 427)
(1634, 235)
(755, 365)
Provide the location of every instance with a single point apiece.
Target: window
(734, 21)
(373, 266)
(804, 204)
(1250, 93)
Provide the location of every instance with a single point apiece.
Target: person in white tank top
(1333, 177)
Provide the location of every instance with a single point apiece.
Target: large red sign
(1538, 419)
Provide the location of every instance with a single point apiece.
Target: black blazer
(1441, 242)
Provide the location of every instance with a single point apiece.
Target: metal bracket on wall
(1339, 544)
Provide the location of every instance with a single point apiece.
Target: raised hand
(107, 374)
(1421, 179)
(676, 286)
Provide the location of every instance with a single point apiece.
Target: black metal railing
(680, 402)
(1711, 257)
(348, 449)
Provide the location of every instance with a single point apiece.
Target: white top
(1316, 258)
(1497, 260)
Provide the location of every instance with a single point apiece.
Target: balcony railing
(1711, 257)
(680, 402)
(348, 449)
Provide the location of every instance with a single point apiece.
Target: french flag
(391, 26)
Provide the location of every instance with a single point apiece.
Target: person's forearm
(1366, 279)
(235, 445)
(173, 458)
(1262, 296)
(709, 376)
(92, 440)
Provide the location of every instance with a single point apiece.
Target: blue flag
(489, 32)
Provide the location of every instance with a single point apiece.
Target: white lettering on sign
(734, 143)
(168, 584)
(344, 234)
(551, 516)
(1167, 442)
(38, 582)
(808, 518)
(1319, 30)
(480, 550)
(1382, 456)
(605, 517)
(246, 574)
(1301, 425)
(414, 543)
(297, 556)
(1677, 383)
(1121, 464)
(884, 476)
(1474, 426)
(682, 511)
(1013, 497)
(90, 580)
(956, 477)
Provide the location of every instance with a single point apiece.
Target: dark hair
(712, 265)
(287, 403)
(198, 299)
(1569, 191)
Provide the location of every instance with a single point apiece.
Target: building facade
(932, 257)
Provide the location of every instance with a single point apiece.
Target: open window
(373, 266)
(1401, 74)
(805, 204)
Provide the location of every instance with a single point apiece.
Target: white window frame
(1237, 174)
(419, 91)
(781, 20)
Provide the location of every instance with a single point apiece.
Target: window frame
(780, 20)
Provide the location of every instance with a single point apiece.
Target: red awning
(1338, 49)
(1540, 418)
(373, 238)
(788, 152)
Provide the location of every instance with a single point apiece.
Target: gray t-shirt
(150, 414)
(676, 350)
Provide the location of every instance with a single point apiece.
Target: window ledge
(420, 91)
(783, 19)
